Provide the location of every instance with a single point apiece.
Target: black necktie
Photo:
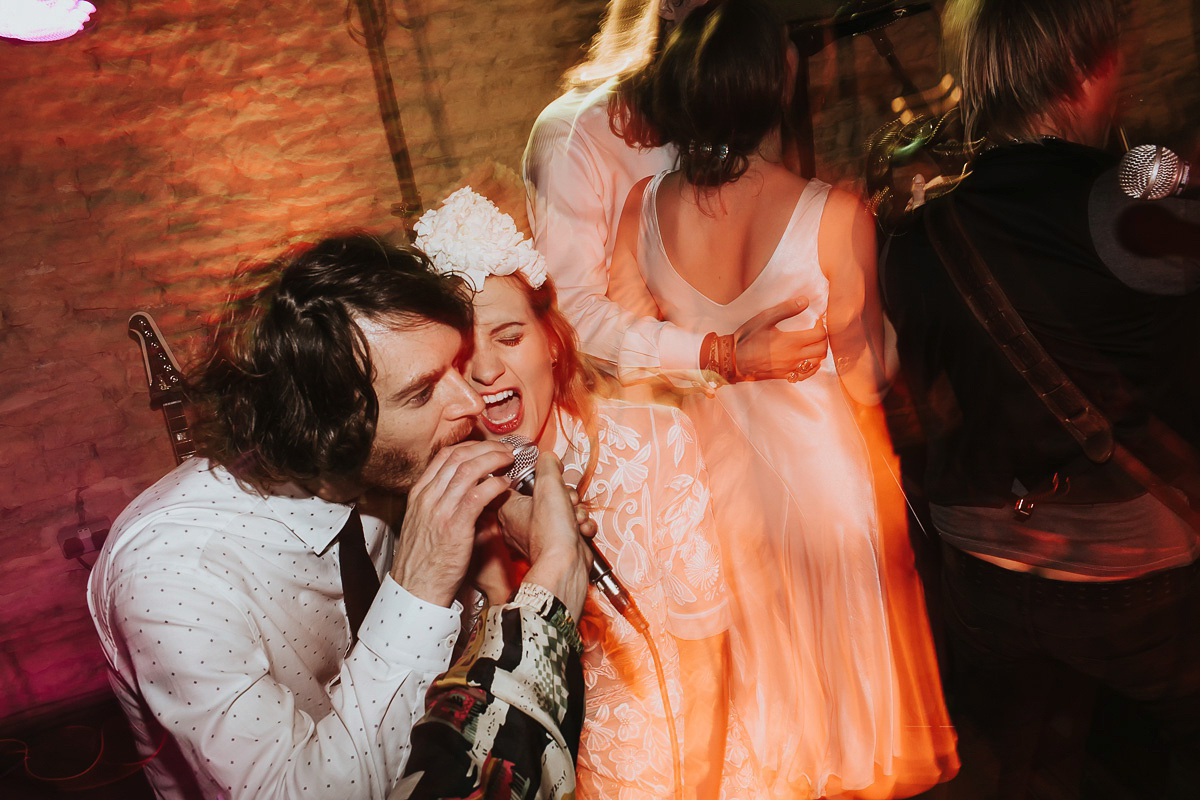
(359, 579)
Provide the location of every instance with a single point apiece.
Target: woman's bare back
(719, 240)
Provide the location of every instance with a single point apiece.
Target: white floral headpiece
(469, 236)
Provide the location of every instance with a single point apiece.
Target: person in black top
(1054, 566)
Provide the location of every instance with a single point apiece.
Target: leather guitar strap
(1070, 406)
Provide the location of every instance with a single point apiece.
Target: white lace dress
(649, 496)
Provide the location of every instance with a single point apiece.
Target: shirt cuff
(550, 608)
(400, 627)
(679, 354)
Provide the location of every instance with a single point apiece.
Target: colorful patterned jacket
(504, 721)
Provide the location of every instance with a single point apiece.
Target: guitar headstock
(162, 371)
(166, 382)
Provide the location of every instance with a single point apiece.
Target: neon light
(43, 20)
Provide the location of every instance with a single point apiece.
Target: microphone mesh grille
(525, 455)
(1149, 172)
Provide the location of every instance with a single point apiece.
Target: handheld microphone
(1152, 172)
(521, 475)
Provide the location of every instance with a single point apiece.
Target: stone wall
(141, 161)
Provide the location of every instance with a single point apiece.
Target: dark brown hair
(718, 88)
(631, 42)
(285, 393)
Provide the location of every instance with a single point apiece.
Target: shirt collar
(315, 521)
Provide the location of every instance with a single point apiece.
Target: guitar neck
(177, 429)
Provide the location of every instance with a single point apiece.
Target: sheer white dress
(819, 680)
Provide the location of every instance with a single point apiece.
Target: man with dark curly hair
(267, 632)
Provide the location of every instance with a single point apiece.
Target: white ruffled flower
(469, 236)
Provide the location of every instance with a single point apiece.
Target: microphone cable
(521, 476)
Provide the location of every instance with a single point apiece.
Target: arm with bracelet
(757, 350)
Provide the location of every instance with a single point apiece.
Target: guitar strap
(1061, 397)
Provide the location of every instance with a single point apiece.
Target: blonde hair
(626, 43)
(1020, 62)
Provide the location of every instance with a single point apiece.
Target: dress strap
(810, 207)
(650, 206)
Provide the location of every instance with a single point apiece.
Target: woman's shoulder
(578, 113)
(576, 103)
(576, 121)
(841, 205)
(844, 216)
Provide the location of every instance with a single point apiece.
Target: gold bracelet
(725, 350)
(708, 353)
